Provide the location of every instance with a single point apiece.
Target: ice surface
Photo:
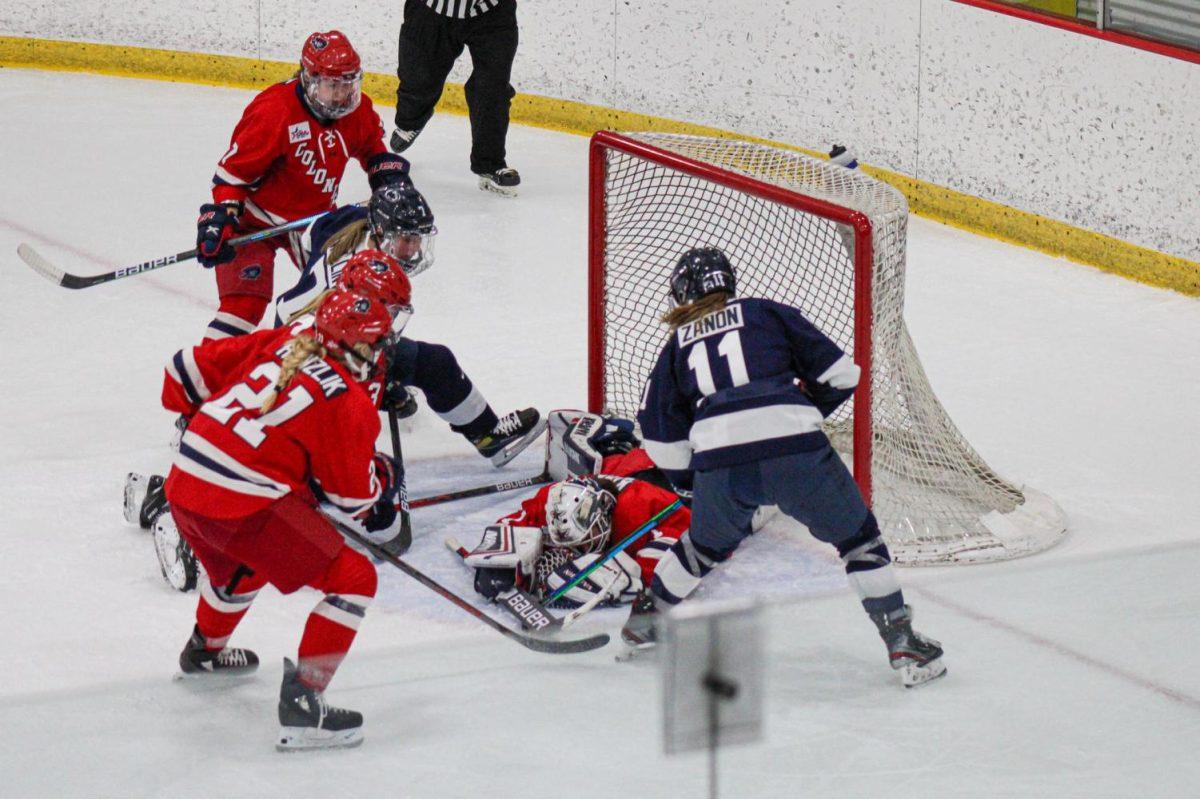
(1075, 673)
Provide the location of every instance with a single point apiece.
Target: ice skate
(196, 661)
(917, 658)
(402, 139)
(144, 498)
(511, 435)
(307, 721)
(639, 634)
(503, 181)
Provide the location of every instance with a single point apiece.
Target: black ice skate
(639, 633)
(144, 498)
(306, 721)
(512, 434)
(503, 181)
(196, 661)
(917, 658)
(402, 139)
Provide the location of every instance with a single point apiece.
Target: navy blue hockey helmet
(699, 272)
(402, 225)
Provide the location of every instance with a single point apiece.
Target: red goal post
(830, 241)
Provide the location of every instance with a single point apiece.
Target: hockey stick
(481, 491)
(398, 453)
(546, 645)
(43, 267)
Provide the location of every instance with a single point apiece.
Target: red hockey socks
(220, 609)
(349, 586)
(237, 315)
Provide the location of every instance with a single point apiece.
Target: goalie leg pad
(619, 580)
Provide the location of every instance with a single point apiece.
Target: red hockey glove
(214, 228)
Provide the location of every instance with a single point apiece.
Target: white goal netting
(656, 195)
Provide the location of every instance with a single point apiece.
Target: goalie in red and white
(607, 488)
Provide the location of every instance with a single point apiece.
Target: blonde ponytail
(303, 347)
(690, 312)
(345, 241)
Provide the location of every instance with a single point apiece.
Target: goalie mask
(579, 514)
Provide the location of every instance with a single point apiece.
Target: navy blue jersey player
(399, 222)
(732, 411)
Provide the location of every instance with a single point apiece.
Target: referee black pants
(430, 44)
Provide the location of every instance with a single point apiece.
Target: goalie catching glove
(504, 558)
(619, 580)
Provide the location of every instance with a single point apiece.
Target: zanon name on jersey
(752, 380)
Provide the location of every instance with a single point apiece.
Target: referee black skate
(432, 38)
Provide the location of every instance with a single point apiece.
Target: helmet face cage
(579, 515)
(700, 272)
(402, 226)
(332, 96)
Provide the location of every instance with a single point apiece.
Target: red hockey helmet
(379, 275)
(331, 74)
(354, 327)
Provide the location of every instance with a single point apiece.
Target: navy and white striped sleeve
(666, 419)
(829, 374)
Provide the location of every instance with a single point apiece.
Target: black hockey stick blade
(549, 646)
(480, 491)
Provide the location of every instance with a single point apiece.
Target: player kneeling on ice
(733, 410)
(291, 432)
(569, 525)
(398, 222)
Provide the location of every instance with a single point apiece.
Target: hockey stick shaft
(618, 549)
(548, 646)
(52, 273)
(480, 491)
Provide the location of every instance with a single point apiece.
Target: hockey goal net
(831, 242)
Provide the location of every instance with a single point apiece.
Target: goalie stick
(38, 263)
(480, 491)
(546, 645)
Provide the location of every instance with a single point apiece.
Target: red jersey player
(285, 160)
(289, 423)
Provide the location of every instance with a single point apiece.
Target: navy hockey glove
(214, 229)
(843, 157)
(616, 437)
(385, 168)
(398, 399)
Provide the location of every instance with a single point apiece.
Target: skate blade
(496, 188)
(912, 674)
(515, 448)
(208, 680)
(305, 739)
(135, 492)
(630, 652)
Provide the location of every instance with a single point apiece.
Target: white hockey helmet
(579, 514)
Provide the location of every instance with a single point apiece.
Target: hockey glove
(399, 399)
(214, 228)
(616, 437)
(390, 474)
(492, 582)
(387, 168)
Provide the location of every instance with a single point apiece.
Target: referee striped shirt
(461, 9)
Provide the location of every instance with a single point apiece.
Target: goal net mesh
(936, 499)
